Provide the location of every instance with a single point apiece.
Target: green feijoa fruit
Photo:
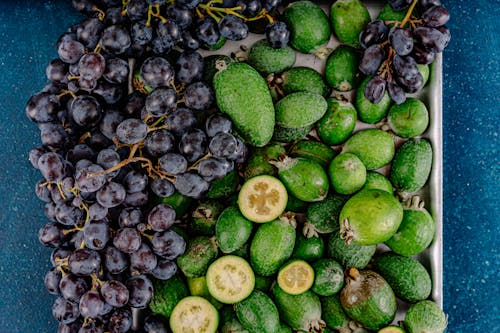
(407, 277)
(264, 283)
(232, 230)
(295, 277)
(425, 71)
(243, 95)
(267, 59)
(389, 14)
(300, 109)
(304, 179)
(416, 231)
(348, 19)
(367, 111)
(375, 180)
(411, 166)
(351, 255)
(295, 205)
(308, 249)
(338, 122)
(301, 312)
(284, 329)
(204, 217)
(303, 79)
(322, 217)
(199, 254)
(313, 150)
(271, 246)
(283, 134)
(194, 314)
(341, 69)
(370, 217)
(347, 173)
(308, 25)
(374, 147)
(225, 186)
(333, 314)
(392, 329)
(167, 293)
(258, 162)
(328, 277)
(409, 118)
(180, 203)
(368, 299)
(233, 326)
(425, 316)
(210, 64)
(258, 313)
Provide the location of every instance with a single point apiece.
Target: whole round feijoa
(232, 230)
(375, 180)
(425, 316)
(370, 217)
(374, 147)
(300, 109)
(329, 277)
(347, 173)
(348, 19)
(341, 69)
(267, 59)
(258, 312)
(409, 118)
(352, 255)
(303, 79)
(308, 249)
(416, 231)
(369, 112)
(338, 122)
(308, 24)
(322, 217)
(313, 150)
(262, 198)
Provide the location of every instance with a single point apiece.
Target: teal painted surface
(28, 31)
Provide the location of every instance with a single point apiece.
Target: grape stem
(408, 13)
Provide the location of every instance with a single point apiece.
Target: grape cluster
(160, 26)
(109, 149)
(393, 49)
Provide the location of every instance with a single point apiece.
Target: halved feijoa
(194, 314)
(295, 277)
(262, 198)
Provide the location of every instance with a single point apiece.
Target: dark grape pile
(392, 49)
(122, 127)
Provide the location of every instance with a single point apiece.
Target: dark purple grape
(189, 67)
(120, 321)
(198, 96)
(72, 287)
(436, 16)
(97, 212)
(241, 153)
(155, 323)
(111, 195)
(180, 15)
(164, 270)
(137, 9)
(193, 145)
(51, 281)
(115, 39)
(271, 5)
(396, 93)
(375, 89)
(191, 185)
(86, 111)
(180, 121)
(131, 131)
(50, 211)
(115, 293)
(87, 181)
(59, 254)
(167, 36)
(411, 85)
(161, 101)
(89, 32)
(372, 59)
(233, 28)
(143, 260)
(189, 4)
(42, 107)
(116, 71)
(56, 71)
(168, 244)
(114, 15)
(422, 56)
(136, 199)
(52, 166)
(91, 304)
(157, 71)
(91, 66)
(80, 152)
(223, 145)
(399, 5)
(212, 169)
(34, 155)
(127, 240)
(217, 123)
(140, 33)
(252, 7)
(109, 92)
(141, 291)
(53, 135)
(405, 67)
(109, 122)
(96, 234)
(161, 217)
(84, 262)
(73, 327)
(159, 142)
(135, 181)
(67, 214)
(70, 51)
(430, 38)
(108, 158)
(65, 311)
(446, 33)
(426, 4)
(173, 163)
(207, 31)
(42, 191)
(401, 40)
(135, 103)
(130, 217)
(115, 261)
(375, 32)
(189, 41)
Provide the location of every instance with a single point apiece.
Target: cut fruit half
(296, 277)
(262, 198)
(194, 314)
(230, 279)
(392, 329)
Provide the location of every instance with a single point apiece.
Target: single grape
(207, 31)
(91, 304)
(198, 96)
(164, 270)
(34, 155)
(87, 181)
(189, 41)
(111, 195)
(58, 254)
(97, 212)
(67, 214)
(134, 104)
(404, 67)
(141, 291)
(162, 188)
(42, 107)
(86, 111)
(181, 15)
(108, 158)
(51, 281)
(436, 16)
(143, 260)
(411, 85)
(212, 169)
(173, 163)
(115, 261)
(373, 57)
(109, 122)
(115, 39)
(426, 4)
(217, 123)
(180, 121)
(396, 93)
(159, 142)
(89, 31)
(223, 145)
(65, 311)
(56, 71)
(161, 101)
(131, 131)
(155, 323)
(193, 145)
(129, 217)
(80, 152)
(114, 293)
(42, 191)
(161, 217)
(84, 262)
(136, 199)
(137, 9)
(70, 51)
(116, 71)
(127, 240)
(72, 287)
(271, 5)
(157, 71)
(375, 32)
(91, 66)
(167, 36)
(53, 135)
(140, 33)
(189, 67)
(233, 28)
(401, 40)
(96, 234)
(120, 321)
(375, 89)
(109, 92)
(430, 38)
(191, 185)
(135, 181)
(422, 56)
(399, 5)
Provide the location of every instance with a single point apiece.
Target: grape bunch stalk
(393, 49)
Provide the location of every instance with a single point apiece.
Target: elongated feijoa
(303, 79)
(242, 94)
(341, 69)
(374, 147)
(267, 59)
(300, 109)
(258, 313)
(348, 19)
(232, 230)
(313, 150)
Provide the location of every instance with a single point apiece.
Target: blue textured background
(28, 31)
